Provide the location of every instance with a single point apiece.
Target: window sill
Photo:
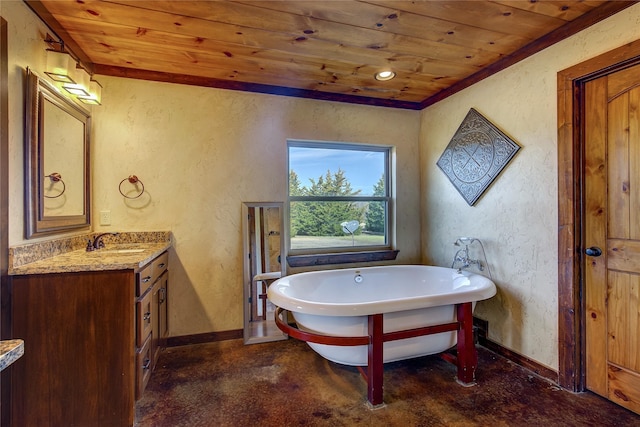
(341, 258)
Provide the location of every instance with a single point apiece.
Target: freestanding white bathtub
(405, 310)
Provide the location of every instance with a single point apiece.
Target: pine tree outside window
(339, 197)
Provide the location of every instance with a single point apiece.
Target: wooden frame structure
(466, 358)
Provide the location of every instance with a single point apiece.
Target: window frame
(341, 254)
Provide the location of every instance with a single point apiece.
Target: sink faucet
(97, 242)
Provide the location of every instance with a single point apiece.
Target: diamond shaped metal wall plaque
(476, 155)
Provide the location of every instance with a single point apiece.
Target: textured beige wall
(202, 152)
(26, 49)
(517, 217)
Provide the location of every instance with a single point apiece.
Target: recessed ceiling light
(385, 75)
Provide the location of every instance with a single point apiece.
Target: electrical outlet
(105, 217)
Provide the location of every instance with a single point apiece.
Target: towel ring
(56, 177)
(133, 180)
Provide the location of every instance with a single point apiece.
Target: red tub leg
(375, 367)
(467, 354)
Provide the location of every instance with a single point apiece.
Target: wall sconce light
(95, 94)
(63, 70)
(81, 83)
(59, 66)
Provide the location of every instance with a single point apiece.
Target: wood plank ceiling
(316, 49)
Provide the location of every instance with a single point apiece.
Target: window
(339, 197)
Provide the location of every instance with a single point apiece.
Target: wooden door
(612, 228)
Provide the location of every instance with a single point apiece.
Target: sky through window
(363, 169)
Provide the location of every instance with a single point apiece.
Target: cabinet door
(144, 360)
(78, 365)
(163, 310)
(144, 313)
(159, 316)
(155, 332)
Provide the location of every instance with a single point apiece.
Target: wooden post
(375, 367)
(467, 353)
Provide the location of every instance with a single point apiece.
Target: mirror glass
(56, 161)
(263, 245)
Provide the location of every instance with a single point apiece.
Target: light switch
(105, 217)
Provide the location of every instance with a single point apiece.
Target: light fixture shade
(81, 85)
(88, 100)
(385, 75)
(60, 65)
(95, 94)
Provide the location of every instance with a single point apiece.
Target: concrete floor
(285, 383)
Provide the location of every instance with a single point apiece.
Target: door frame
(571, 366)
(5, 386)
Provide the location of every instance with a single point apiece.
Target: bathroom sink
(117, 251)
(122, 251)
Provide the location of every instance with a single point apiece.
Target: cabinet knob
(146, 279)
(161, 265)
(147, 364)
(146, 316)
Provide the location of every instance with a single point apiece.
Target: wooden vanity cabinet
(82, 364)
(78, 366)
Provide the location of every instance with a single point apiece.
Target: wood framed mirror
(263, 243)
(57, 169)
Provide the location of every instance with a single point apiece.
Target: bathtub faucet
(462, 259)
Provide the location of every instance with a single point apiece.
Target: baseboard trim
(204, 338)
(482, 327)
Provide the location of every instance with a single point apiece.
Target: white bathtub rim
(483, 289)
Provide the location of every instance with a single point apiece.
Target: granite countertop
(112, 257)
(10, 351)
